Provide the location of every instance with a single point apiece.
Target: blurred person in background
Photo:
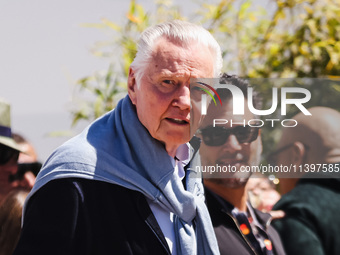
(10, 219)
(28, 164)
(9, 153)
(311, 201)
(28, 154)
(262, 192)
(239, 228)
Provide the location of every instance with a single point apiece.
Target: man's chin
(177, 138)
(171, 144)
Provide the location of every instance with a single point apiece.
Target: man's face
(285, 155)
(10, 167)
(282, 156)
(162, 98)
(233, 153)
(8, 171)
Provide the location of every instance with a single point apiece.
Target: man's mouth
(178, 121)
(230, 161)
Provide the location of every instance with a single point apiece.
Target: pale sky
(43, 51)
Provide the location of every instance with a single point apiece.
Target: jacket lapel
(146, 213)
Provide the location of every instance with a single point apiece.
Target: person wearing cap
(28, 164)
(9, 153)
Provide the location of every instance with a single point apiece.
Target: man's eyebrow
(175, 74)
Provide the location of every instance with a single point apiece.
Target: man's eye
(168, 82)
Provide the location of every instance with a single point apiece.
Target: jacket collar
(222, 205)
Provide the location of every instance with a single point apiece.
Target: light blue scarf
(118, 149)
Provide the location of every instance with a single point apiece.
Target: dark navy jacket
(312, 221)
(86, 217)
(230, 239)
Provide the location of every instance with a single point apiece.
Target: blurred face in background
(8, 172)
(8, 167)
(29, 156)
(230, 146)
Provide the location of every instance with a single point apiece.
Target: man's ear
(299, 152)
(259, 144)
(132, 86)
(298, 155)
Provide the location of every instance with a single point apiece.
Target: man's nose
(182, 97)
(232, 144)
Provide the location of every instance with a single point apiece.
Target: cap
(5, 126)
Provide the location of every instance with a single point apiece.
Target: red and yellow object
(245, 230)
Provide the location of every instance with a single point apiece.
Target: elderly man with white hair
(123, 185)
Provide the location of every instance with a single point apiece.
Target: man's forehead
(173, 71)
(226, 112)
(162, 47)
(193, 61)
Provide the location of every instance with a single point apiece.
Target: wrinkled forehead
(164, 41)
(175, 57)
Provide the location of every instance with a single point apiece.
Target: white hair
(184, 33)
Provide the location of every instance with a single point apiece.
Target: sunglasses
(217, 136)
(23, 168)
(7, 153)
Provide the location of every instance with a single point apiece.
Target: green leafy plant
(99, 93)
(293, 39)
(281, 39)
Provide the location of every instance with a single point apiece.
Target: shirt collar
(184, 154)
